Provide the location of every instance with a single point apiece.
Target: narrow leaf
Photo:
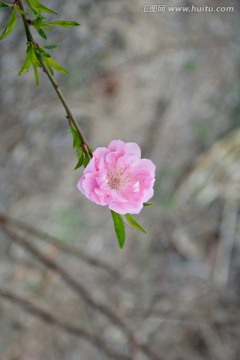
(35, 68)
(86, 159)
(83, 158)
(50, 69)
(32, 8)
(41, 52)
(35, 64)
(26, 64)
(80, 162)
(50, 61)
(64, 23)
(50, 46)
(21, 11)
(38, 22)
(42, 33)
(148, 203)
(10, 25)
(79, 150)
(46, 26)
(4, 5)
(34, 57)
(41, 7)
(119, 228)
(131, 221)
(75, 136)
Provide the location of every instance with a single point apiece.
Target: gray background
(170, 82)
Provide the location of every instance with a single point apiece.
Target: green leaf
(51, 46)
(132, 222)
(50, 69)
(38, 22)
(35, 64)
(46, 26)
(79, 163)
(34, 57)
(32, 8)
(39, 7)
(119, 228)
(10, 25)
(26, 64)
(64, 23)
(86, 160)
(42, 33)
(35, 68)
(148, 203)
(83, 158)
(40, 51)
(75, 136)
(4, 5)
(43, 8)
(53, 63)
(79, 150)
(21, 11)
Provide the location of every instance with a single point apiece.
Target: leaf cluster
(35, 54)
(82, 153)
(119, 226)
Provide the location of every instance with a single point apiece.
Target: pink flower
(116, 176)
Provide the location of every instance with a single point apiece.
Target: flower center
(117, 178)
(115, 183)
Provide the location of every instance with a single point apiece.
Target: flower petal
(117, 146)
(125, 207)
(133, 149)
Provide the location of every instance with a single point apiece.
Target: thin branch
(83, 292)
(66, 277)
(70, 116)
(49, 318)
(76, 252)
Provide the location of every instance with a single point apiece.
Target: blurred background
(168, 81)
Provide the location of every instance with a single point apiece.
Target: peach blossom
(117, 177)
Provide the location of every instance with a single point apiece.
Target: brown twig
(76, 252)
(83, 292)
(49, 318)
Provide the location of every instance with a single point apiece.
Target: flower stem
(70, 116)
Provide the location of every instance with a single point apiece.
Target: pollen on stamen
(115, 184)
(117, 179)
